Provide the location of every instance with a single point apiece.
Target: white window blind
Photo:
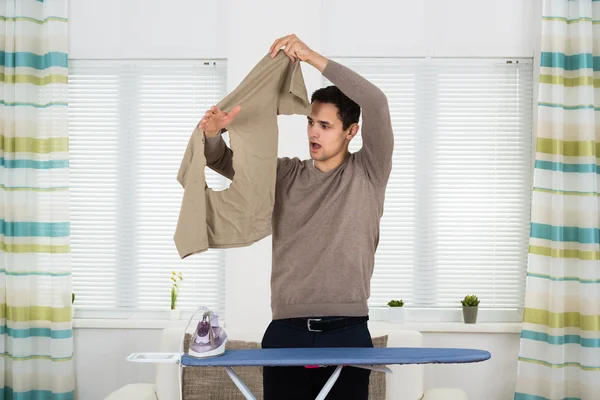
(130, 122)
(457, 206)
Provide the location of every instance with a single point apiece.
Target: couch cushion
(212, 383)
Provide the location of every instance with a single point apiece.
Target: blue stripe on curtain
(521, 396)
(31, 60)
(561, 339)
(571, 62)
(8, 394)
(34, 164)
(35, 229)
(36, 332)
(564, 167)
(565, 233)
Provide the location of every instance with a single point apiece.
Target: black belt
(324, 324)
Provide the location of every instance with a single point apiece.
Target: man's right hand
(215, 120)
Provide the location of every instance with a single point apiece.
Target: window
(457, 206)
(130, 122)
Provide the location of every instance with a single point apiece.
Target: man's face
(326, 135)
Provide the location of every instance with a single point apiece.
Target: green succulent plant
(470, 301)
(396, 303)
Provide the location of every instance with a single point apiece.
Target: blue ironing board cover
(338, 356)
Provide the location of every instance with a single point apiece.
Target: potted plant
(396, 310)
(176, 278)
(470, 305)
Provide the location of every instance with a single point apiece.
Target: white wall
(427, 28)
(112, 29)
(242, 32)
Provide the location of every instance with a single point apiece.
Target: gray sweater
(326, 224)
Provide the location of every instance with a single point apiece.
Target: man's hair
(348, 110)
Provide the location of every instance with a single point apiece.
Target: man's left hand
(293, 47)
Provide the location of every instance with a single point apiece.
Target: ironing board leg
(377, 368)
(240, 384)
(329, 384)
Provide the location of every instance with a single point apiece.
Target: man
(325, 225)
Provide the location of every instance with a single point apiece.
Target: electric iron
(209, 339)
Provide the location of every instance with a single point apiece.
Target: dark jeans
(299, 383)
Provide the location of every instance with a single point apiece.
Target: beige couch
(406, 383)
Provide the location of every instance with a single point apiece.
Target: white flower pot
(174, 314)
(396, 314)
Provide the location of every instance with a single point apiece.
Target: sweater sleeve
(377, 135)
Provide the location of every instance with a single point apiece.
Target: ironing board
(369, 358)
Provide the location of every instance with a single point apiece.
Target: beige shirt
(241, 214)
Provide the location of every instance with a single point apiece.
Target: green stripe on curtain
(562, 320)
(561, 365)
(32, 189)
(36, 313)
(34, 145)
(34, 248)
(567, 147)
(565, 253)
(564, 192)
(30, 19)
(32, 79)
(35, 357)
(570, 82)
(569, 21)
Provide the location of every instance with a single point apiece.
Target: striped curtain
(560, 341)
(36, 341)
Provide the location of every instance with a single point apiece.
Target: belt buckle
(315, 320)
